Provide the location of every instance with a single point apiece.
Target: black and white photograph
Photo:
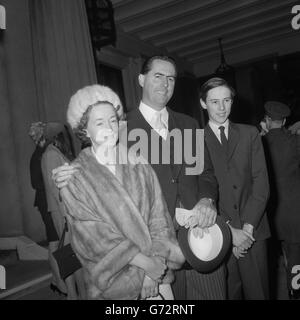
(150, 150)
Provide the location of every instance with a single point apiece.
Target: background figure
(238, 158)
(295, 128)
(283, 159)
(59, 151)
(36, 132)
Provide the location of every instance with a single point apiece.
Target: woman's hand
(155, 268)
(149, 289)
(175, 255)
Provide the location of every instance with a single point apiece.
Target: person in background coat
(238, 158)
(36, 132)
(59, 150)
(283, 159)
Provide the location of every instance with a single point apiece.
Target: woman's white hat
(88, 96)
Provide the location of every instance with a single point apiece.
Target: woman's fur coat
(112, 218)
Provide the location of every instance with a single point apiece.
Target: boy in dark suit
(237, 155)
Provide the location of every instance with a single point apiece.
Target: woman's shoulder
(85, 161)
(83, 157)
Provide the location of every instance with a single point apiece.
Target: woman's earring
(86, 133)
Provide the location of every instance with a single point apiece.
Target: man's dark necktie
(224, 140)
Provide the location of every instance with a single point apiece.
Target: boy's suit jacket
(242, 177)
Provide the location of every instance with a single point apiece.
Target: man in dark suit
(283, 160)
(238, 158)
(198, 191)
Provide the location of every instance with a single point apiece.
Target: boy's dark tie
(224, 140)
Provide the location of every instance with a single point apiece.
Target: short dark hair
(214, 83)
(147, 65)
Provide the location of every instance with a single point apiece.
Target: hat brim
(198, 262)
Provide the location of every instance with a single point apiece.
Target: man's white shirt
(149, 114)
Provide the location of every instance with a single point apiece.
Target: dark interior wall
(186, 98)
(273, 78)
(246, 103)
(18, 109)
(289, 72)
(111, 77)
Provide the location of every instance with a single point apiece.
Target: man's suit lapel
(215, 145)
(213, 142)
(233, 139)
(173, 124)
(136, 120)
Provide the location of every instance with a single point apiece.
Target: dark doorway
(112, 77)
